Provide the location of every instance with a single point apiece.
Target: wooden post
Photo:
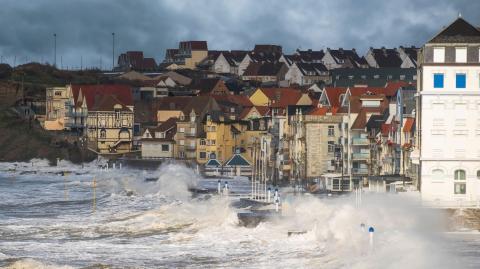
(65, 187)
(94, 186)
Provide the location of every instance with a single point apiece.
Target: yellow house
(259, 98)
(56, 102)
(110, 126)
(188, 55)
(254, 130)
(221, 140)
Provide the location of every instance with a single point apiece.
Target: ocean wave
(33, 264)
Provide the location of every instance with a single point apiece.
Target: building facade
(110, 126)
(449, 121)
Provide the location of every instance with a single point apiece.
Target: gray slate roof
(459, 31)
(237, 160)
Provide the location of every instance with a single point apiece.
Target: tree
(5, 71)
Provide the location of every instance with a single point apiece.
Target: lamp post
(113, 51)
(55, 49)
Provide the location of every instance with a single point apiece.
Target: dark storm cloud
(84, 28)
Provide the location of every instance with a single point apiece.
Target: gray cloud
(84, 27)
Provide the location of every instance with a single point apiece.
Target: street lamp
(113, 51)
(55, 49)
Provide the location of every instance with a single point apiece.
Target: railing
(360, 171)
(190, 147)
(76, 114)
(361, 156)
(360, 141)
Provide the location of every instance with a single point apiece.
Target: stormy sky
(84, 27)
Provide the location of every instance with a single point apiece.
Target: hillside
(22, 140)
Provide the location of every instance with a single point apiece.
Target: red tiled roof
(195, 45)
(282, 97)
(122, 92)
(408, 127)
(361, 121)
(149, 63)
(358, 91)
(319, 111)
(241, 100)
(333, 95)
(107, 102)
(387, 128)
(262, 110)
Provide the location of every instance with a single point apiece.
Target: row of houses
(369, 122)
(268, 63)
(308, 132)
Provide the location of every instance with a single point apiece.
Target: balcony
(189, 134)
(190, 147)
(76, 114)
(360, 141)
(361, 156)
(388, 159)
(360, 171)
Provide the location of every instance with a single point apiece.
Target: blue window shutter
(461, 81)
(438, 80)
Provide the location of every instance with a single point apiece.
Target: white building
(449, 115)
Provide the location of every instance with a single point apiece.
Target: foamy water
(51, 221)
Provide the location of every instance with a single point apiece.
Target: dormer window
(438, 54)
(461, 55)
(370, 103)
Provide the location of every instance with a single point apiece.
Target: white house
(222, 65)
(158, 142)
(307, 73)
(343, 58)
(449, 115)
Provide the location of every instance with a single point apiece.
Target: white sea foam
(161, 225)
(34, 264)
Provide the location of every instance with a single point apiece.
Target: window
(182, 154)
(192, 130)
(165, 147)
(460, 187)
(439, 55)
(461, 55)
(212, 142)
(478, 174)
(461, 81)
(331, 130)
(331, 146)
(371, 103)
(182, 142)
(438, 122)
(182, 130)
(202, 142)
(437, 174)
(438, 80)
(203, 155)
(459, 174)
(103, 133)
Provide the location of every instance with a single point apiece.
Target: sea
(73, 216)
